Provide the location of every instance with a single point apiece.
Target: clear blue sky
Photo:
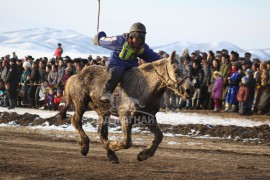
(245, 23)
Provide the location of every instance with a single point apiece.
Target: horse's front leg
(126, 133)
(76, 121)
(154, 128)
(103, 134)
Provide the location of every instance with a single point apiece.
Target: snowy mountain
(43, 41)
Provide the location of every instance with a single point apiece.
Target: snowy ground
(172, 118)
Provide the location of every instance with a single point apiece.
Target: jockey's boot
(105, 98)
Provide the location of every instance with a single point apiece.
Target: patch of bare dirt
(38, 154)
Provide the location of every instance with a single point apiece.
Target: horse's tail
(63, 112)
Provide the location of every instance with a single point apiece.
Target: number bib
(128, 53)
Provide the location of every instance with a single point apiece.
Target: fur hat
(217, 73)
(249, 72)
(244, 80)
(27, 64)
(13, 60)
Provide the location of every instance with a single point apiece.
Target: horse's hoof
(112, 157)
(84, 150)
(142, 156)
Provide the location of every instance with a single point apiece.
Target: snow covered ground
(173, 118)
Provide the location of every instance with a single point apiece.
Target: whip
(98, 15)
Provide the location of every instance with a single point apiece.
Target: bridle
(175, 84)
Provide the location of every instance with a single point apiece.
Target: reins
(172, 87)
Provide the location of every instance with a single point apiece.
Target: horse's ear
(171, 58)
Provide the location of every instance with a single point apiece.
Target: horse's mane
(149, 66)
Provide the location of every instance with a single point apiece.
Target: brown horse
(141, 92)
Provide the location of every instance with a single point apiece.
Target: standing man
(126, 48)
(58, 52)
(12, 83)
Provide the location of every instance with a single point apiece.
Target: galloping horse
(142, 89)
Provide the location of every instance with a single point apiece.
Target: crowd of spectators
(223, 81)
(38, 83)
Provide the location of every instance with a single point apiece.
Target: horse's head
(176, 77)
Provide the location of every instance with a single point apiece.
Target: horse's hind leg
(149, 152)
(76, 121)
(103, 134)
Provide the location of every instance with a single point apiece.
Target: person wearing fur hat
(243, 96)
(217, 90)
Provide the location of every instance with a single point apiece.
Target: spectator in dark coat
(12, 82)
(251, 84)
(205, 84)
(197, 79)
(34, 79)
(4, 73)
(42, 78)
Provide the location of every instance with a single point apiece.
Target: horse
(141, 92)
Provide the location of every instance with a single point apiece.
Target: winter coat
(57, 100)
(189, 69)
(52, 78)
(122, 55)
(217, 88)
(25, 83)
(42, 75)
(243, 93)
(233, 88)
(34, 76)
(264, 78)
(13, 77)
(207, 76)
(61, 73)
(197, 77)
(43, 92)
(225, 70)
(4, 73)
(58, 52)
(49, 99)
(212, 79)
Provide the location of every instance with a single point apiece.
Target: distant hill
(43, 41)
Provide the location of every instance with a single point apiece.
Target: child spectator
(217, 90)
(58, 99)
(43, 91)
(243, 96)
(49, 100)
